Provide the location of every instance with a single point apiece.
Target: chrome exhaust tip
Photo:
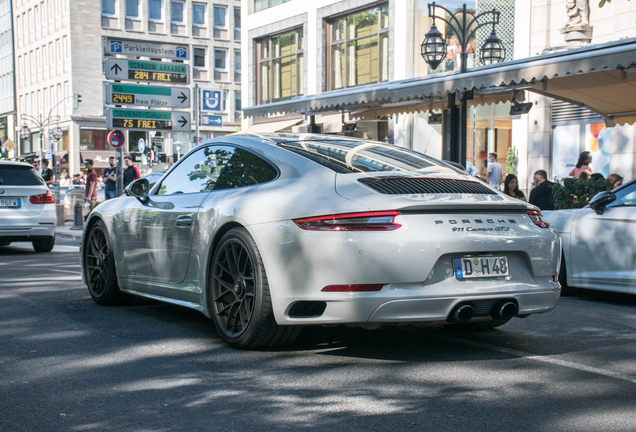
(505, 310)
(463, 314)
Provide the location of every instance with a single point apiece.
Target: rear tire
(44, 245)
(239, 297)
(566, 291)
(478, 326)
(99, 268)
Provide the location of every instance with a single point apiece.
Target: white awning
(273, 126)
(597, 77)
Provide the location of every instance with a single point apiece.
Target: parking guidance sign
(147, 49)
(147, 71)
(148, 120)
(150, 96)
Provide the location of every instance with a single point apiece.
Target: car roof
(14, 163)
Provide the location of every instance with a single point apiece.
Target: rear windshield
(17, 175)
(349, 156)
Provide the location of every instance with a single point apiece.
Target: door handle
(183, 221)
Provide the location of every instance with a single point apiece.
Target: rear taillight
(353, 288)
(536, 217)
(46, 198)
(368, 221)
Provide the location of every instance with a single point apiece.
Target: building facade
(296, 49)
(60, 52)
(7, 83)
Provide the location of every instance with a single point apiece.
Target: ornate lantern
(434, 47)
(492, 51)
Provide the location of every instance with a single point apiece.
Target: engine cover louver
(419, 185)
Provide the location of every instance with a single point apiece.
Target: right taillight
(46, 198)
(536, 217)
(367, 221)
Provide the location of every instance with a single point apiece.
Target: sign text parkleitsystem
(147, 49)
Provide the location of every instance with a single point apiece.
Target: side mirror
(139, 189)
(601, 200)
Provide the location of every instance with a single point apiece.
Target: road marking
(66, 271)
(544, 359)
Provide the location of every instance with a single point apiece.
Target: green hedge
(570, 193)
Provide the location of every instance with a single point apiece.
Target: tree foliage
(603, 2)
(571, 193)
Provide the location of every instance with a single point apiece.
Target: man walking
(541, 195)
(47, 173)
(90, 193)
(495, 171)
(131, 173)
(110, 180)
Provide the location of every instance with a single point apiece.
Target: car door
(603, 246)
(158, 233)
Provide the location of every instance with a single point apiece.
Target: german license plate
(10, 202)
(478, 267)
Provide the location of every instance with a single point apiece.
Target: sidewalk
(66, 232)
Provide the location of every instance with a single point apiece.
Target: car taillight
(536, 217)
(353, 288)
(368, 221)
(46, 198)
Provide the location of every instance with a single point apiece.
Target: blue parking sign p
(182, 52)
(115, 46)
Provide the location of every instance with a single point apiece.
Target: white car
(27, 207)
(599, 241)
(268, 233)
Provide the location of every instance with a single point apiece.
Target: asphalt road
(67, 364)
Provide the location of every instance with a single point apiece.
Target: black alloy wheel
(99, 267)
(239, 296)
(234, 290)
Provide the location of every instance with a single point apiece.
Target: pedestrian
(36, 167)
(541, 195)
(511, 188)
(76, 180)
(131, 173)
(495, 171)
(615, 181)
(583, 164)
(47, 173)
(64, 178)
(471, 169)
(110, 179)
(90, 193)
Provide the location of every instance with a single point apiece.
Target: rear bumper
(16, 234)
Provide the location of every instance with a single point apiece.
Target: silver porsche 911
(268, 233)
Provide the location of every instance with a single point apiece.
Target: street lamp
(434, 52)
(56, 133)
(25, 132)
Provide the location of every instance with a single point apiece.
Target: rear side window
(345, 156)
(16, 175)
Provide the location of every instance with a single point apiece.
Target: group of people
(90, 180)
(541, 193)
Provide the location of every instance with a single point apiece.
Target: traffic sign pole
(116, 139)
(196, 115)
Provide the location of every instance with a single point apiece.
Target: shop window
(93, 139)
(280, 72)
(359, 48)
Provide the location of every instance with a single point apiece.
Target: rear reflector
(537, 218)
(353, 288)
(555, 278)
(368, 221)
(46, 223)
(46, 198)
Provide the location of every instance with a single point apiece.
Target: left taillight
(537, 218)
(46, 198)
(367, 221)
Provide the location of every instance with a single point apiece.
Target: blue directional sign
(211, 100)
(211, 120)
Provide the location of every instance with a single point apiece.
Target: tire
(478, 326)
(99, 268)
(239, 297)
(44, 245)
(566, 291)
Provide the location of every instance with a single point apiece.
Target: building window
(260, 5)
(132, 8)
(359, 48)
(199, 57)
(280, 73)
(237, 23)
(219, 16)
(108, 7)
(199, 70)
(154, 10)
(198, 14)
(176, 12)
(224, 101)
(237, 65)
(237, 101)
(219, 59)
